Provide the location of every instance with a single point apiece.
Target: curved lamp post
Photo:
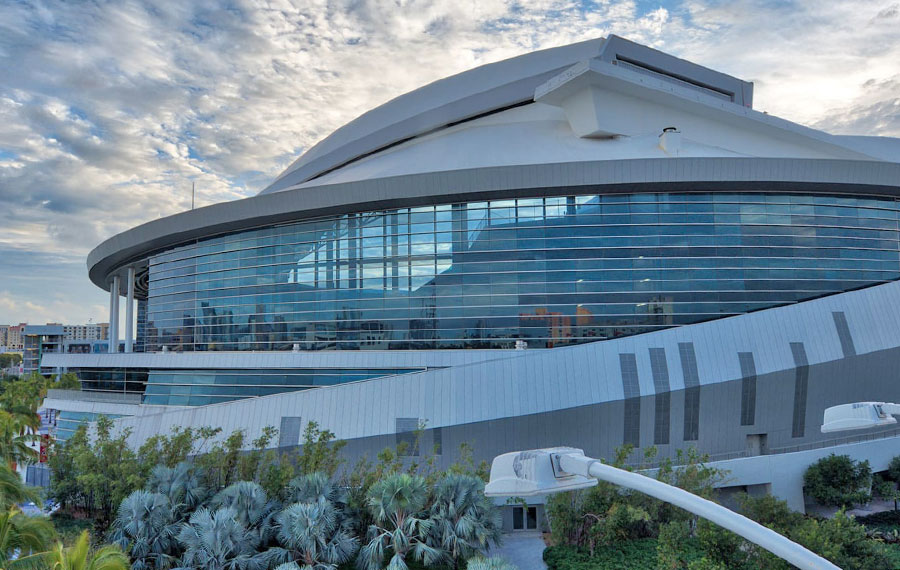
(543, 471)
(859, 415)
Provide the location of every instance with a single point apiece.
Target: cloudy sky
(109, 110)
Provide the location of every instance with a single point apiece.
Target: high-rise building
(91, 331)
(683, 269)
(14, 339)
(40, 340)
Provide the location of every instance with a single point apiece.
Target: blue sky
(109, 110)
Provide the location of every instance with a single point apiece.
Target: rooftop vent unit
(648, 61)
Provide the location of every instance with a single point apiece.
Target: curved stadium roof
(587, 114)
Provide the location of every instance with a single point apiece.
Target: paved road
(524, 549)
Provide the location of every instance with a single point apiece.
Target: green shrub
(670, 554)
(838, 481)
(894, 468)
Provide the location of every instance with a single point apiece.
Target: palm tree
(313, 535)
(217, 541)
(23, 539)
(15, 439)
(489, 564)
(12, 490)
(310, 488)
(252, 508)
(397, 504)
(181, 484)
(146, 524)
(80, 557)
(464, 521)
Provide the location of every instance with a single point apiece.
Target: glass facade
(203, 387)
(68, 422)
(550, 271)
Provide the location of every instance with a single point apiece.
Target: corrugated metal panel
(544, 380)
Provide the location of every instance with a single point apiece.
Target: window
(407, 436)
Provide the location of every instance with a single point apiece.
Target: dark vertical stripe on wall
(843, 331)
(801, 384)
(663, 398)
(437, 441)
(631, 388)
(663, 401)
(630, 384)
(748, 388)
(632, 431)
(691, 391)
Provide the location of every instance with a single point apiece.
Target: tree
(80, 557)
(22, 535)
(251, 508)
(217, 541)
(146, 524)
(181, 485)
(495, 563)
(464, 521)
(321, 453)
(397, 505)
(107, 471)
(10, 359)
(313, 535)
(68, 381)
(19, 534)
(15, 439)
(838, 481)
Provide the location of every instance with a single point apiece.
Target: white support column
(114, 315)
(129, 312)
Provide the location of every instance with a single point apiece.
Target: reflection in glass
(550, 271)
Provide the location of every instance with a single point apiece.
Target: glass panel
(550, 271)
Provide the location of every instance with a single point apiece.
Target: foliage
(10, 359)
(465, 522)
(67, 381)
(838, 481)
(839, 539)
(69, 528)
(670, 553)
(606, 513)
(146, 526)
(19, 533)
(217, 541)
(628, 555)
(80, 556)
(894, 469)
(397, 505)
(315, 534)
(494, 563)
(885, 490)
(321, 453)
(94, 476)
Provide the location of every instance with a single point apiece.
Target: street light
(859, 415)
(544, 471)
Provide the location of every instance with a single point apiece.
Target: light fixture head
(860, 415)
(534, 472)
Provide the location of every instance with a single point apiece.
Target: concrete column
(114, 315)
(129, 312)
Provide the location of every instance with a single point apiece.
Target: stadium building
(592, 245)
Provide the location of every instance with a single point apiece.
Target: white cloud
(109, 111)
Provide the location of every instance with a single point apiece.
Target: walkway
(523, 549)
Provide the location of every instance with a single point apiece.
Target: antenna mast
(192, 195)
